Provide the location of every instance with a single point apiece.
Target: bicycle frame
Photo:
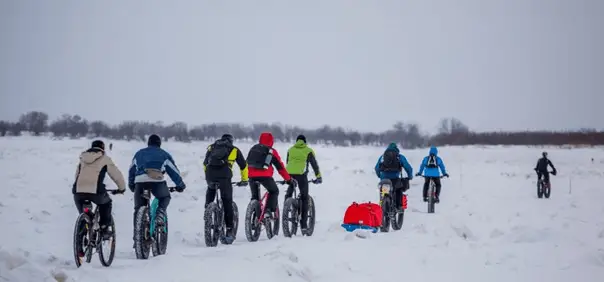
(153, 206)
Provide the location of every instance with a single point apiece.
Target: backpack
(432, 162)
(219, 154)
(366, 214)
(390, 162)
(260, 156)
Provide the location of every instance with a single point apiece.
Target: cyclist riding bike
(298, 158)
(541, 168)
(88, 185)
(431, 164)
(390, 166)
(147, 172)
(218, 167)
(261, 159)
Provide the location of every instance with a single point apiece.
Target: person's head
(544, 154)
(301, 137)
(98, 144)
(392, 146)
(154, 140)
(227, 137)
(433, 151)
(266, 138)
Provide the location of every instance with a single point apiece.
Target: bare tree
(35, 122)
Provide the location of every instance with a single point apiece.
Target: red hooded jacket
(266, 138)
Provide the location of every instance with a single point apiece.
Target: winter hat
(98, 144)
(227, 137)
(154, 140)
(393, 146)
(301, 137)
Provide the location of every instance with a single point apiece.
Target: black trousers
(302, 180)
(545, 176)
(159, 190)
(226, 193)
(400, 186)
(272, 188)
(427, 185)
(103, 201)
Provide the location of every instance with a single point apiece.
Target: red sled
(363, 216)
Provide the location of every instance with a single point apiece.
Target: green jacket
(298, 158)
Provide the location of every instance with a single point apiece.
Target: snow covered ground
(490, 226)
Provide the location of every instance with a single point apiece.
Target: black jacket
(226, 172)
(542, 164)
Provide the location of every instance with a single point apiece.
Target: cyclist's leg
(139, 201)
(303, 186)
(290, 189)
(539, 175)
(79, 202)
(426, 185)
(105, 205)
(210, 194)
(273, 193)
(546, 177)
(161, 191)
(398, 185)
(438, 186)
(226, 194)
(255, 189)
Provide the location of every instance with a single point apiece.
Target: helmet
(228, 137)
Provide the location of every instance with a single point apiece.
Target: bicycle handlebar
(442, 176)
(283, 182)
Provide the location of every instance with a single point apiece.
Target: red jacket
(266, 138)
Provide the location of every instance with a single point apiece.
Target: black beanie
(154, 140)
(301, 137)
(98, 144)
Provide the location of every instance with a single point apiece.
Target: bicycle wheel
(252, 225)
(141, 233)
(398, 218)
(160, 234)
(290, 216)
(385, 217)
(539, 189)
(107, 259)
(223, 239)
(311, 216)
(212, 225)
(80, 237)
(431, 192)
(547, 190)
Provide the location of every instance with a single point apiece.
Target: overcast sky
(362, 64)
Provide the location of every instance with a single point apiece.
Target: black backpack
(219, 154)
(260, 156)
(390, 162)
(431, 163)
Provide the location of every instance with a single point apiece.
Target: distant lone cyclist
(541, 168)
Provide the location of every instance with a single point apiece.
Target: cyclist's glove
(446, 175)
(418, 174)
(292, 182)
(319, 180)
(180, 188)
(242, 183)
(118, 192)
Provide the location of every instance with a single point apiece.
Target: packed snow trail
(490, 226)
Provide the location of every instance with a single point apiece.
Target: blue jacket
(392, 175)
(153, 157)
(432, 171)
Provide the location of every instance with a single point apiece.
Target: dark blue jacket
(153, 157)
(432, 171)
(392, 175)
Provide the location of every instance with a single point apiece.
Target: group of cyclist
(151, 163)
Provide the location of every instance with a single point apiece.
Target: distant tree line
(451, 132)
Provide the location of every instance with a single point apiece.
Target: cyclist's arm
(405, 164)
(422, 166)
(551, 164)
(115, 174)
(173, 171)
(441, 164)
(242, 165)
(132, 171)
(278, 163)
(377, 166)
(205, 159)
(313, 162)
